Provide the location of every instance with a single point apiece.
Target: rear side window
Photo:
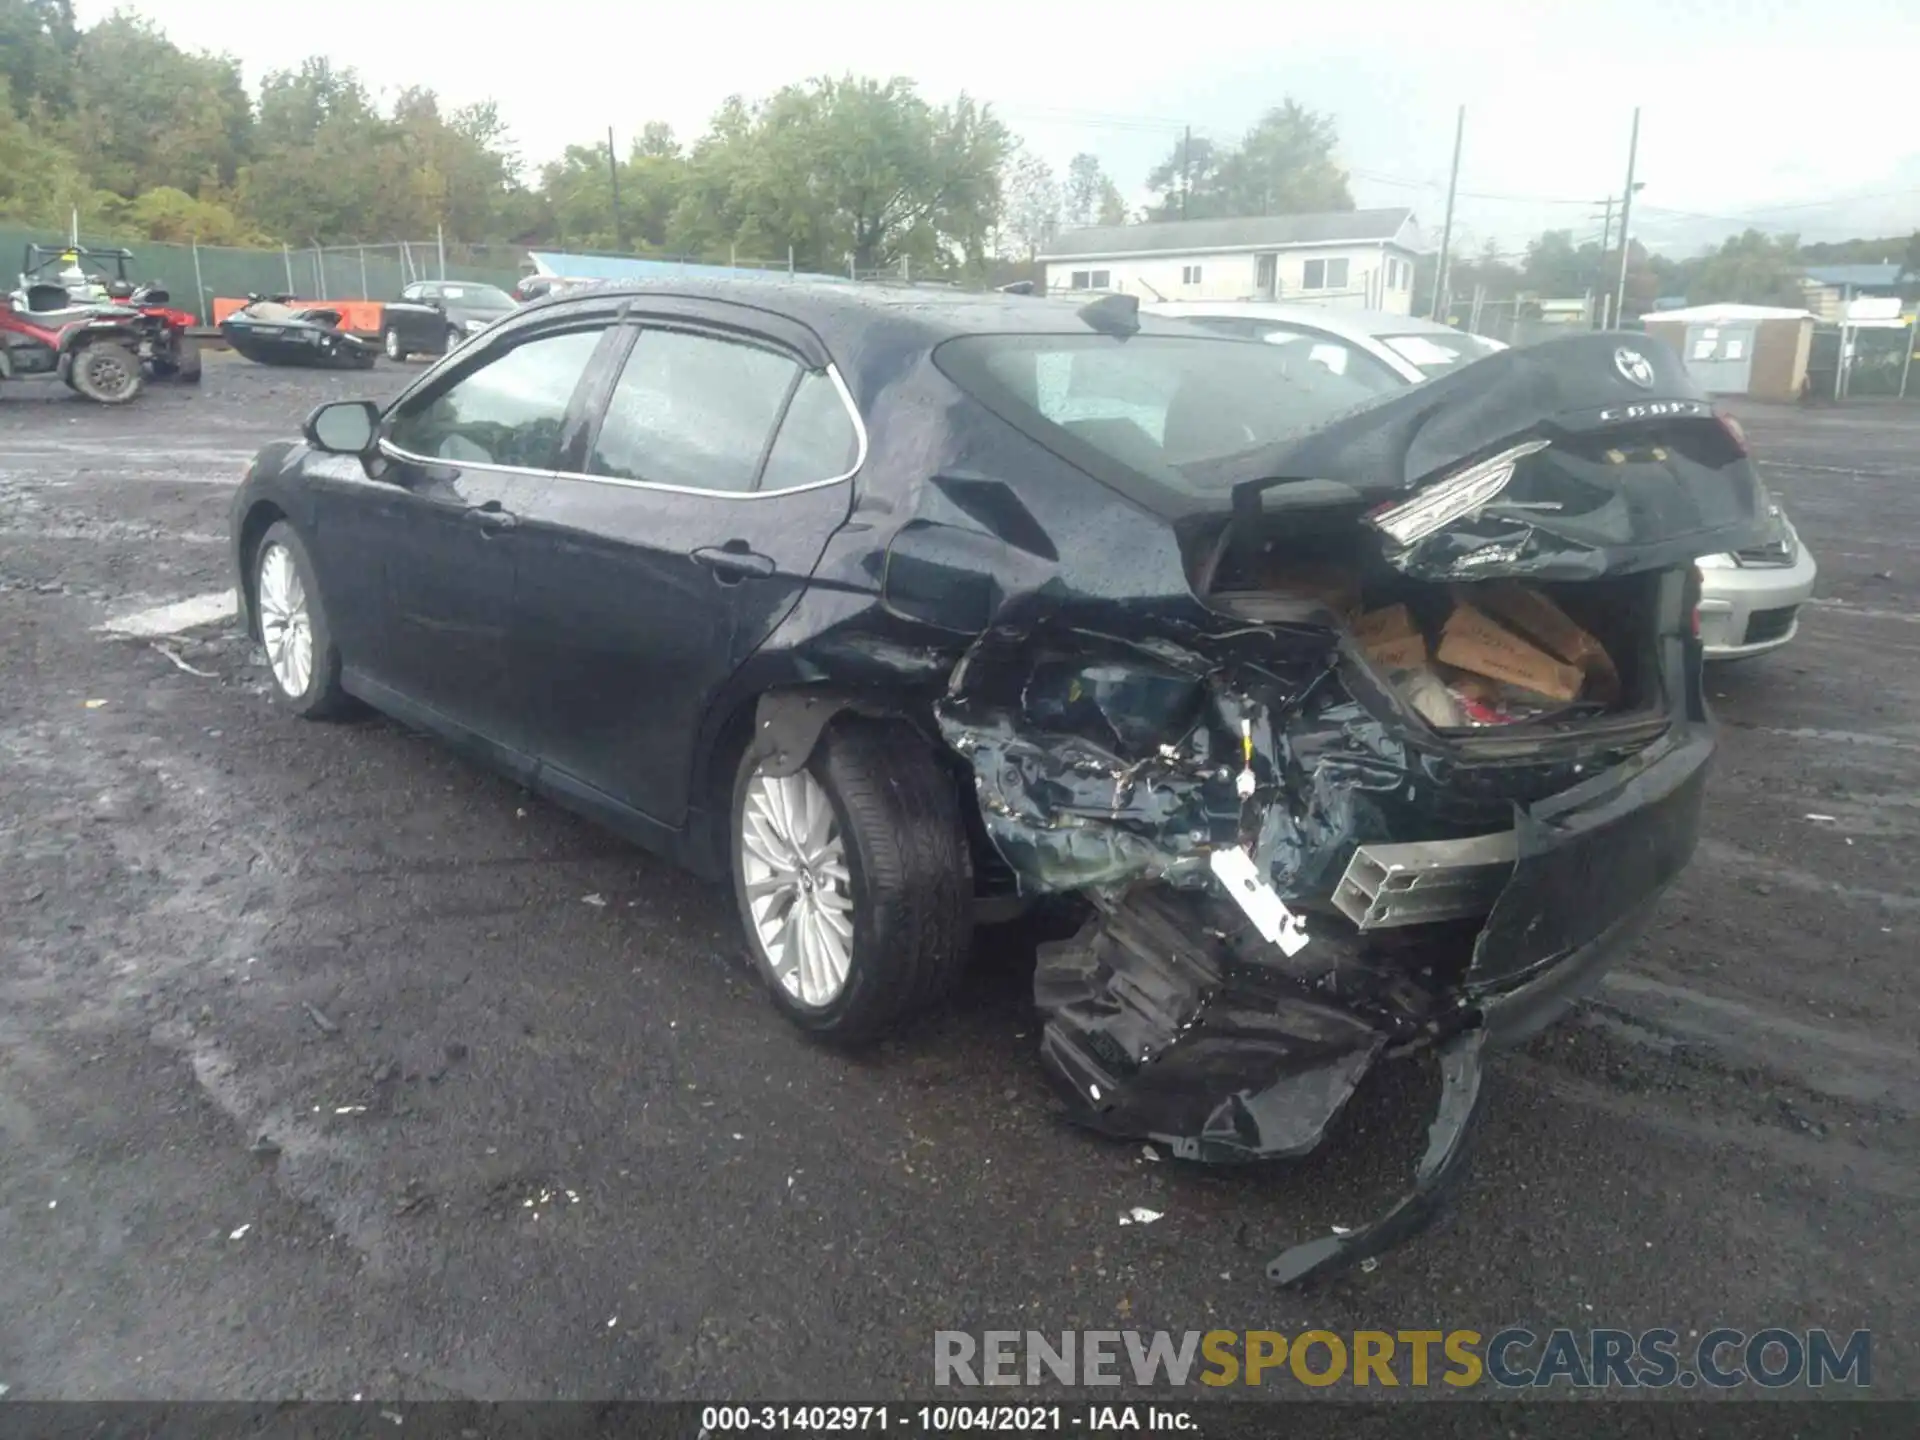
(692, 411)
(817, 440)
(508, 412)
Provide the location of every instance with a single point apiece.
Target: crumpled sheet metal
(1112, 768)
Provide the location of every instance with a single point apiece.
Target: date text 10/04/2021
(946, 1419)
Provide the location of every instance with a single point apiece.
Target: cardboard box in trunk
(1537, 618)
(1472, 640)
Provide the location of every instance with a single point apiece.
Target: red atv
(84, 279)
(94, 348)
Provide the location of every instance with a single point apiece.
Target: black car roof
(833, 307)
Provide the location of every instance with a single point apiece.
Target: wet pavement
(330, 1064)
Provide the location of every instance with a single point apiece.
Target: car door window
(510, 411)
(817, 439)
(692, 411)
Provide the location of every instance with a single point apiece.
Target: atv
(96, 348)
(82, 277)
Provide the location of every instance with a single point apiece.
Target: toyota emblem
(1634, 367)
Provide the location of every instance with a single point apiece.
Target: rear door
(686, 529)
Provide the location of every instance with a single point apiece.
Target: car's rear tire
(302, 659)
(107, 373)
(853, 879)
(390, 342)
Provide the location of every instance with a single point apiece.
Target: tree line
(143, 139)
(1751, 268)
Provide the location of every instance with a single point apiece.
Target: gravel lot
(524, 1145)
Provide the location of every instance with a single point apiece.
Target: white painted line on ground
(180, 615)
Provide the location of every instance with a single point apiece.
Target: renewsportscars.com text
(1514, 1358)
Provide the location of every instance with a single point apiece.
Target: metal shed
(1757, 350)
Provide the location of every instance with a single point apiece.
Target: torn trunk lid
(1577, 458)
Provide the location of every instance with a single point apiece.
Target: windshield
(478, 297)
(1158, 403)
(1440, 352)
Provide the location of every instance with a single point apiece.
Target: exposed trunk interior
(1563, 657)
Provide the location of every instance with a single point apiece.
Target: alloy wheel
(393, 345)
(793, 860)
(286, 626)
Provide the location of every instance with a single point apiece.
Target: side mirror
(343, 427)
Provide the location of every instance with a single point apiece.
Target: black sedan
(432, 317)
(1336, 725)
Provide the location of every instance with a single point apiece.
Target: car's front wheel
(301, 655)
(853, 879)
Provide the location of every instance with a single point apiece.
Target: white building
(1362, 258)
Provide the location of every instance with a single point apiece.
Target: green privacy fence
(198, 274)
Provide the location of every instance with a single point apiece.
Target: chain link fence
(197, 275)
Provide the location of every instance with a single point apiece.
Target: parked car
(435, 316)
(879, 603)
(1751, 599)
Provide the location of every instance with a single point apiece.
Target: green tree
(1091, 196)
(1191, 173)
(1285, 165)
(147, 113)
(1031, 203)
(37, 41)
(846, 169)
(40, 181)
(1751, 268)
(173, 215)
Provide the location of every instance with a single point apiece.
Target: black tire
(910, 872)
(107, 373)
(454, 337)
(364, 359)
(186, 361)
(183, 367)
(322, 699)
(390, 342)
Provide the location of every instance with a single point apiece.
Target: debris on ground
(266, 1147)
(320, 1021)
(597, 900)
(241, 1233)
(181, 664)
(1140, 1215)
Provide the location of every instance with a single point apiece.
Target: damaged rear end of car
(1362, 725)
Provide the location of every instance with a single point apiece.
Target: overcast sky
(1748, 105)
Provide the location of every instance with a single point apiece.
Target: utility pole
(1186, 170)
(1626, 212)
(1446, 231)
(1606, 241)
(613, 178)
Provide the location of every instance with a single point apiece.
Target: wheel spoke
(796, 885)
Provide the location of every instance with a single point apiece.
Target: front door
(705, 496)
(464, 463)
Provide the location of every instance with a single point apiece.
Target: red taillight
(1736, 432)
